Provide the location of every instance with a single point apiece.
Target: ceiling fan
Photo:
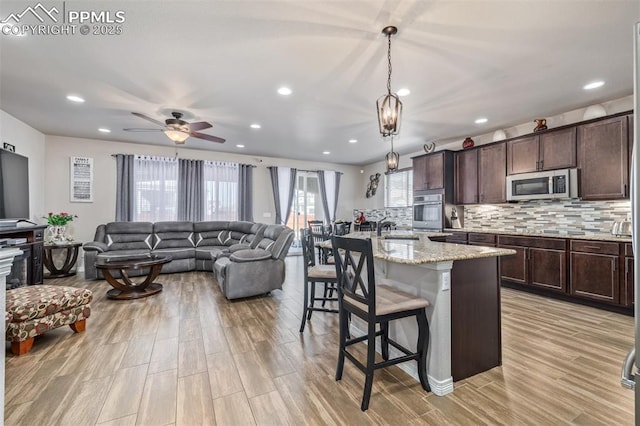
(177, 129)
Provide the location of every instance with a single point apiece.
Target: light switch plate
(446, 281)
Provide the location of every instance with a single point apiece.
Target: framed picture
(81, 190)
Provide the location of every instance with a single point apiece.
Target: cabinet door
(548, 268)
(522, 155)
(420, 173)
(628, 281)
(492, 173)
(466, 177)
(595, 276)
(435, 171)
(515, 268)
(602, 159)
(558, 149)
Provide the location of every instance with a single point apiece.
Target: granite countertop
(416, 252)
(594, 237)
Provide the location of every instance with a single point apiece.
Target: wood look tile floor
(188, 356)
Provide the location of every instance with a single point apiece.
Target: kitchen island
(462, 283)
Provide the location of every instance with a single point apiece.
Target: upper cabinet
(466, 177)
(603, 159)
(548, 151)
(492, 173)
(429, 170)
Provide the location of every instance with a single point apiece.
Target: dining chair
(374, 303)
(314, 274)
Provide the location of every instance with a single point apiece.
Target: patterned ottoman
(37, 309)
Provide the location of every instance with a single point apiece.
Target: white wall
(30, 143)
(611, 107)
(59, 149)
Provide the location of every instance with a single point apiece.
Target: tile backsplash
(570, 217)
(402, 216)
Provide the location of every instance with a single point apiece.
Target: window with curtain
(398, 189)
(155, 189)
(220, 191)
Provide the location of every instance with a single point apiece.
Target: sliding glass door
(307, 204)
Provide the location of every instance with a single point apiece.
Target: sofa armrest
(250, 255)
(95, 246)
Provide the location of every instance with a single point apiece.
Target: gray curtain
(245, 192)
(283, 183)
(190, 190)
(329, 190)
(124, 187)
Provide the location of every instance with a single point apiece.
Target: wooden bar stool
(359, 295)
(314, 274)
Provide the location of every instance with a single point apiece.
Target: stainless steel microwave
(552, 184)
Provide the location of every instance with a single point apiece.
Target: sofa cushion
(176, 253)
(39, 301)
(212, 233)
(173, 235)
(205, 252)
(129, 235)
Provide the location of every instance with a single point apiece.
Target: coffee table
(127, 289)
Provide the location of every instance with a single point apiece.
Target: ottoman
(34, 310)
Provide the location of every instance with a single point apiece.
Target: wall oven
(552, 184)
(428, 212)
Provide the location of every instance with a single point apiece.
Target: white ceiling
(509, 61)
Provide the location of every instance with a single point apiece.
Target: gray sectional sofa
(197, 246)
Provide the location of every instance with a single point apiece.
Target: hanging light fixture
(392, 159)
(389, 106)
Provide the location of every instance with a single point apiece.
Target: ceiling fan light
(178, 136)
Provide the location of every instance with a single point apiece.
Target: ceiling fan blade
(200, 125)
(142, 130)
(206, 137)
(153, 120)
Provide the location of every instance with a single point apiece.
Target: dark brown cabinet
(603, 159)
(26, 268)
(492, 173)
(548, 151)
(477, 239)
(428, 171)
(594, 270)
(538, 262)
(628, 279)
(466, 177)
(457, 237)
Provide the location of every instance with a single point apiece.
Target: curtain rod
(311, 171)
(241, 164)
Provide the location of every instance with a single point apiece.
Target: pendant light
(389, 106)
(392, 159)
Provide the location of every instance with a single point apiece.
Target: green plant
(59, 219)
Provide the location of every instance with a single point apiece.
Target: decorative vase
(467, 143)
(57, 234)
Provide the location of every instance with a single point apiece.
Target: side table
(71, 255)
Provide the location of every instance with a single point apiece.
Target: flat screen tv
(14, 186)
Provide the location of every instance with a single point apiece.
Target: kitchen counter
(421, 251)
(462, 284)
(594, 237)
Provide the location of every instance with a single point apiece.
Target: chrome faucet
(379, 226)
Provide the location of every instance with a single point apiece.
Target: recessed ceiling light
(326, 152)
(285, 91)
(255, 126)
(481, 120)
(593, 85)
(104, 130)
(353, 140)
(240, 146)
(75, 98)
(404, 92)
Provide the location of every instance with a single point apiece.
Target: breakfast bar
(462, 283)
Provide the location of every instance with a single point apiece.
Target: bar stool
(359, 295)
(314, 274)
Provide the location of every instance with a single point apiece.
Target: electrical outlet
(446, 281)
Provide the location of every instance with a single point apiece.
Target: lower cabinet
(538, 262)
(594, 272)
(628, 290)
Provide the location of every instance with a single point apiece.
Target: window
(398, 189)
(220, 191)
(156, 189)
